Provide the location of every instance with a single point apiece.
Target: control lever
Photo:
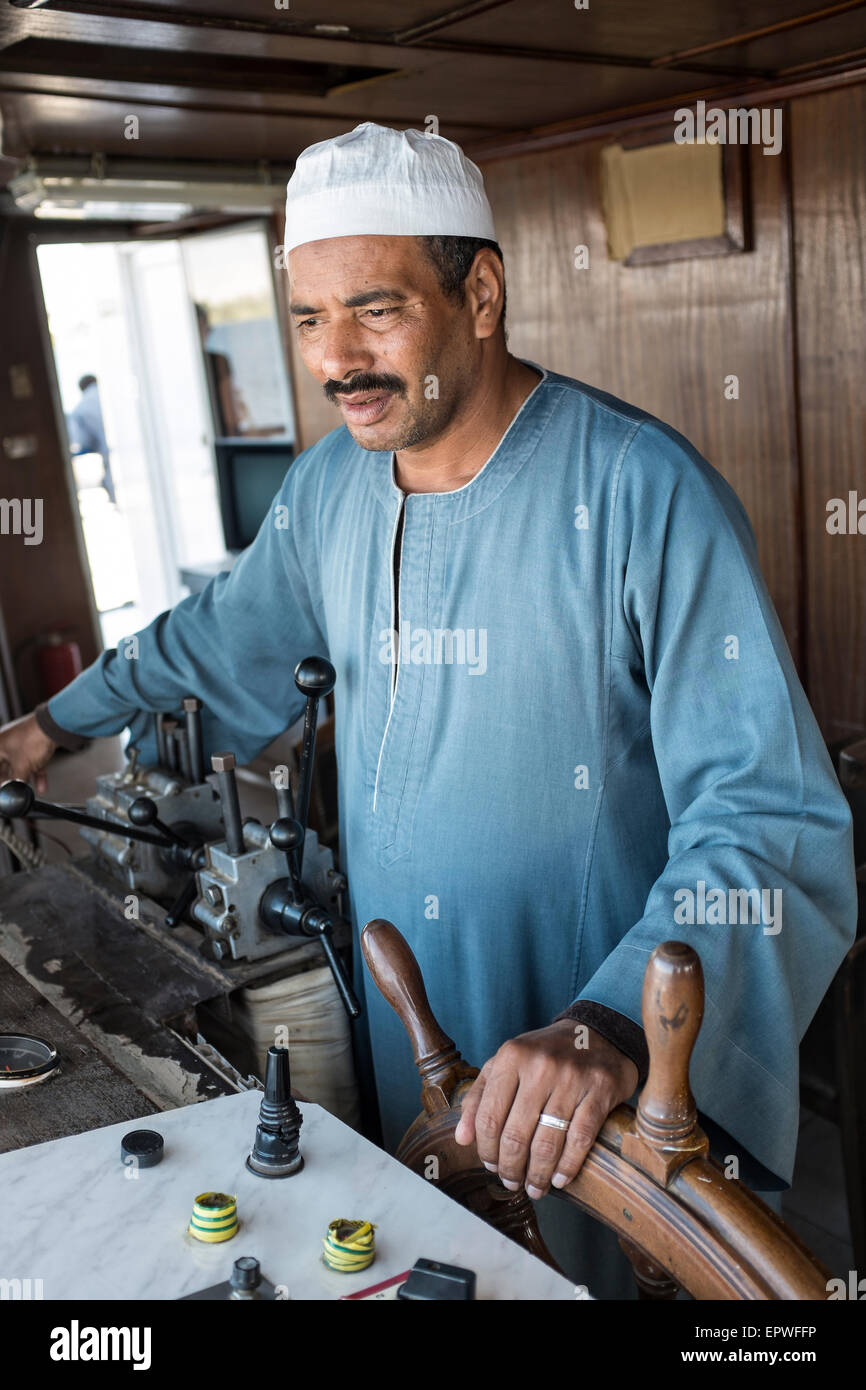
(18, 801)
(169, 729)
(188, 851)
(192, 715)
(161, 745)
(315, 677)
(286, 834)
(184, 899)
(281, 911)
(223, 765)
(143, 812)
(182, 743)
(285, 802)
(285, 906)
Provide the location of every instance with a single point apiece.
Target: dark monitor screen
(250, 476)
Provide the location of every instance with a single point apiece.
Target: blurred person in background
(87, 431)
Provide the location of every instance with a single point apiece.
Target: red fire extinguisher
(56, 660)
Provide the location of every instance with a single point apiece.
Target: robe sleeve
(234, 645)
(751, 795)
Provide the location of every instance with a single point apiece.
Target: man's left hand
(544, 1072)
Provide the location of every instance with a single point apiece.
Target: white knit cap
(378, 181)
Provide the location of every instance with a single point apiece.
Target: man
(87, 431)
(565, 708)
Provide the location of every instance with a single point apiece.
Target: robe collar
(517, 445)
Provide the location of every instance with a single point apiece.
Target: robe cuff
(62, 737)
(624, 1034)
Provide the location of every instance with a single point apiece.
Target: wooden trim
(792, 364)
(444, 21)
(831, 60)
(580, 128)
(689, 250)
(276, 225)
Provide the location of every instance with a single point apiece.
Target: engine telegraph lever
(19, 801)
(314, 677)
(285, 904)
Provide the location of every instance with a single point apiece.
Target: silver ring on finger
(553, 1121)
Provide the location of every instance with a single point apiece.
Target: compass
(25, 1061)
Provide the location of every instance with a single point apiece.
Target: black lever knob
(288, 835)
(315, 677)
(143, 812)
(16, 799)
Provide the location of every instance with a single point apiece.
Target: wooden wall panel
(829, 205)
(665, 337)
(43, 587)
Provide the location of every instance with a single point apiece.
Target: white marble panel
(74, 1218)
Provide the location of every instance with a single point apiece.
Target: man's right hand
(24, 752)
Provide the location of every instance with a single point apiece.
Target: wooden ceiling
(218, 79)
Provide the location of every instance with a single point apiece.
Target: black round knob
(246, 1273)
(143, 1148)
(315, 676)
(142, 811)
(16, 798)
(286, 833)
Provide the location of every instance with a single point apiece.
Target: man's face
(375, 329)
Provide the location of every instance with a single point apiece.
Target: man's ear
(485, 290)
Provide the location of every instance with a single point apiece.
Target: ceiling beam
(15, 85)
(583, 58)
(750, 35)
(371, 45)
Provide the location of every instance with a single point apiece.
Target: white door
(176, 414)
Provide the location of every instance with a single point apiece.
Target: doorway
(163, 349)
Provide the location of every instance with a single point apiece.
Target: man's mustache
(364, 381)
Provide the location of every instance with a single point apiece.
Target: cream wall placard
(659, 194)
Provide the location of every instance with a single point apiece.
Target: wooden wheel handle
(397, 976)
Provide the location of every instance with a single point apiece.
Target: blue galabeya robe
(596, 741)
